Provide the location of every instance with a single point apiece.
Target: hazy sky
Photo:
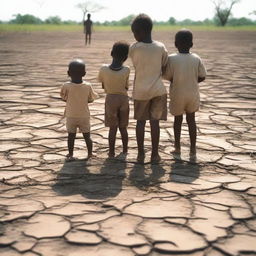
(160, 10)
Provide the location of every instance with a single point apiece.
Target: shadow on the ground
(93, 181)
(184, 172)
(180, 171)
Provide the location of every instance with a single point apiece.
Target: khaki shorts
(116, 110)
(154, 109)
(73, 123)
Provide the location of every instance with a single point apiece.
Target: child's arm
(201, 72)
(168, 72)
(63, 94)
(92, 95)
(127, 80)
(164, 60)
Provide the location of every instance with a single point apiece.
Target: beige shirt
(77, 97)
(183, 69)
(148, 60)
(114, 81)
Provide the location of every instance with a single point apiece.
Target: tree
(172, 21)
(25, 19)
(223, 10)
(89, 7)
(53, 20)
(126, 20)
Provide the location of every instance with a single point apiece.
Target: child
(77, 94)
(115, 81)
(185, 70)
(150, 97)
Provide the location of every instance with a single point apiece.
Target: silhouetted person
(88, 29)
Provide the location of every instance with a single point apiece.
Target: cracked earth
(120, 208)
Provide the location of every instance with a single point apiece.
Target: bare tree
(89, 7)
(223, 9)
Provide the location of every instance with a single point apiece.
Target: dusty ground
(52, 208)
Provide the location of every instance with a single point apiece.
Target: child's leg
(177, 132)
(124, 136)
(112, 140)
(140, 132)
(88, 141)
(190, 117)
(71, 143)
(155, 133)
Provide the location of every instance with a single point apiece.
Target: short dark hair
(76, 66)
(142, 22)
(184, 36)
(120, 50)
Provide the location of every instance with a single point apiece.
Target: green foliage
(172, 21)
(240, 22)
(53, 20)
(25, 19)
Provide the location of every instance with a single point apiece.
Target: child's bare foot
(90, 156)
(155, 159)
(176, 151)
(70, 158)
(140, 158)
(176, 154)
(111, 155)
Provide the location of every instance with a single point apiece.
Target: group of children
(151, 62)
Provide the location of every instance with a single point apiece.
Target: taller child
(149, 58)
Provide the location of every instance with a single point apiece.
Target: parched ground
(120, 208)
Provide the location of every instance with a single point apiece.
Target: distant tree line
(31, 19)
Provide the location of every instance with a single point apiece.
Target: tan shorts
(154, 109)
(180, 105)
(73, 123)
(116, 110)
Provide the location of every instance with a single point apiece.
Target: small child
(77, 94)
(185, 70)
(115, 82)
(150, 97)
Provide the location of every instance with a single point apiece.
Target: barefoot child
(115, 81)
(77, 94)
(150, 97)
(185, 70)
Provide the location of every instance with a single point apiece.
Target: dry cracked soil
(118, 207)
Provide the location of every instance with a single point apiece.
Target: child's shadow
(143, 176)
(184, 172)
(90, 180)
(146, 175)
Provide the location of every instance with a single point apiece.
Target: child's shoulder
(86, 84)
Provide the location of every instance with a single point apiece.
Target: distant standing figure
(184, 70)
(88, 29)
(77, 94)
(115, 81)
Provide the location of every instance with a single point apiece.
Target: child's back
(183, 70)
(77, 97)
(148, 60)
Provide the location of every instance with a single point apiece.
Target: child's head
(88, 16)
(76, 69)
(120, 51)
(141, 27)
(184, 39)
